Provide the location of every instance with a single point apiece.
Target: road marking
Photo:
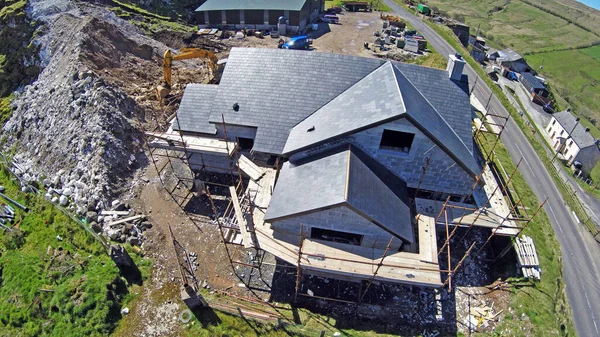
(591, 311)
(555, 219)
(526, 162)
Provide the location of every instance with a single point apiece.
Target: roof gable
(420, 111)
(387, 94)
(334, 178)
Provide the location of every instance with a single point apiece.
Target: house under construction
(351, 161)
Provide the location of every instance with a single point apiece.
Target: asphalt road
(579, 249)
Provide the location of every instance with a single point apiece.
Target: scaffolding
(238, 217)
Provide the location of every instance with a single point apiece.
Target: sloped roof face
(448, 99)
(277, 88)
(339, 177)
(217, 5)
(579, 135)
(371, 100)
(369, 196)
(393, 91)
(533, 81)
(509, 55)
(309, 186)
(425, 116)
(195, 107)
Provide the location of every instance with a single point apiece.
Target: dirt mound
(180, 40)
(105, 47)
(80, 124)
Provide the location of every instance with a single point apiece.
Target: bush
(14, 239)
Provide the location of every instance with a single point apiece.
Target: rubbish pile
(7, 216)
(481, 317)
(120, 223)
(398, 40)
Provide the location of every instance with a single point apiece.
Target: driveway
(579, 249)
(536, 112)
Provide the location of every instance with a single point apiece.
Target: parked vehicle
(512, 76)
(424, 9)
(330, 18)
(297, 42)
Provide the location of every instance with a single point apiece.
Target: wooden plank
(115, 213)
(247, 240)
(249, 168)
(131, 218)
(192, 143)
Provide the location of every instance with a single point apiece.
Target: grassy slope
(149, 21)
(77, 294)
(575, 75)
(517, 25)
(539, 308)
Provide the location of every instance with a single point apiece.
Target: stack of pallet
(527, 257)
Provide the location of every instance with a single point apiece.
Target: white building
(573, 141)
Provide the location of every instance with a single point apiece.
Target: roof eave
(293, 215)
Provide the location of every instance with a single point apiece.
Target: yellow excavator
(184, 54)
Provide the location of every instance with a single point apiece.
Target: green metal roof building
(258, 14)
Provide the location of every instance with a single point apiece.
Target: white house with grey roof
(257, 14)
(573, 141)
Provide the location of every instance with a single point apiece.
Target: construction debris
(527, 257)
(480, 317)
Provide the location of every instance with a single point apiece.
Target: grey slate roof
(579, 135)
(195, 108)
(368, 102)
(387, 93)
(339, 177)
(509, 55)
(277, 88)
(217, 5)
(533, 81)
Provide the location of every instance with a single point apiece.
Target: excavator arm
(186, 53)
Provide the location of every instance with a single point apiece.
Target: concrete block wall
(214, 162)
(443, 175)
(341, 219)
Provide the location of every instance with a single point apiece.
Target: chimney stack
(456, 64)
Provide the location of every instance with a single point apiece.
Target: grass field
(556, 32)
(575, 77)
(56, 280)
(517, 25)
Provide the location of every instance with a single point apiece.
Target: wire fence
(7, 165)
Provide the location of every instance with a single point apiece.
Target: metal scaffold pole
(376, 270)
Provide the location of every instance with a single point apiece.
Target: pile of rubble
(78, 127)
(119, 223)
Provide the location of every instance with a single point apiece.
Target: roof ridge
(352, 85)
